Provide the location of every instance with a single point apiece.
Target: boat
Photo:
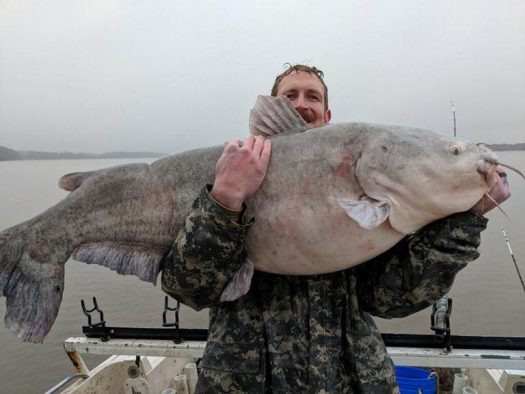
(153, 365)
(164, 360)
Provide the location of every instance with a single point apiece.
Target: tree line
(11, 154)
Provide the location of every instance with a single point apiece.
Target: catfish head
(412, 177)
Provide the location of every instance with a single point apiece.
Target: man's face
(306, 93)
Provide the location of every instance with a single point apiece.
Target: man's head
(305, 88)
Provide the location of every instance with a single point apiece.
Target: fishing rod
(513, 258)
(454, 115)
(502, 228)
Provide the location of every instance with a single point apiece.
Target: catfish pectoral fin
(367, 212)
(125, 258)
(32, 304)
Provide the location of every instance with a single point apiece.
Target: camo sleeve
(421, 268)
(206, 254)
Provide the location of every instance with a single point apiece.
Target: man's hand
(240, 171)
(499, 192)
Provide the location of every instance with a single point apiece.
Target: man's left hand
(499, 193)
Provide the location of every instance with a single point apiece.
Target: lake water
(488, 297)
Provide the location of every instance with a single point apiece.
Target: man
(303, 333)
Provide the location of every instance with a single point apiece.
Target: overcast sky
(169, 75)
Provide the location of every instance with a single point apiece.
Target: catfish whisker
(499, 206)
(512, 168)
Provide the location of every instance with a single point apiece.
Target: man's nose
(300, 102)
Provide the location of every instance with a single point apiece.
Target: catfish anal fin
(125, 258)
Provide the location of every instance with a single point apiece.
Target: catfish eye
(454, 149)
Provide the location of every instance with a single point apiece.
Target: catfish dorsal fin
(275, 115)
(72, 181)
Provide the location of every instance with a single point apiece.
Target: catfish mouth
(487, 163)
(487, 168)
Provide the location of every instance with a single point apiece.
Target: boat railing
(65, 382)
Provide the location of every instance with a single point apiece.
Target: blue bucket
(415, 380)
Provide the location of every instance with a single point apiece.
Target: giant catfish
(333, 197)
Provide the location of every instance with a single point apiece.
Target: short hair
(301, 68)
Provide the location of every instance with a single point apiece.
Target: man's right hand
(498, 193)
(240, 171)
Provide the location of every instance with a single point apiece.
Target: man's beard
(307, 116)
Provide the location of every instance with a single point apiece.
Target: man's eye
(291, 96)
(314, 98)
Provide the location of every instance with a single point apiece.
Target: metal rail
(64, 382)
(415, 356)
(397, 340)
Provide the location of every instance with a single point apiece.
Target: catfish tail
(33, 290)
(10, 252)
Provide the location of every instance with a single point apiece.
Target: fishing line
(513, 258)
(495, 202)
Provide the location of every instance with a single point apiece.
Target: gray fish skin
(127, 217)
(300, 227)
(115, 214)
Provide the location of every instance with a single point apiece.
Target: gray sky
(169, 75)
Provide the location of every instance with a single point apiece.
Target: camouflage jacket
(312, 334)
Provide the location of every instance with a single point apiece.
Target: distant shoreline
(7, 154)
(506, 147)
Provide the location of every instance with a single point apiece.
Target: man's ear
(327, 116)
